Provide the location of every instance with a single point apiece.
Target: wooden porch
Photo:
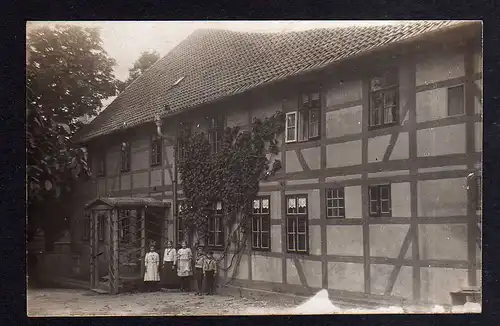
(121, 229)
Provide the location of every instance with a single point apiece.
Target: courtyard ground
(69, 302)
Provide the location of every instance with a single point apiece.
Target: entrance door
(154, 227)
(99, 246)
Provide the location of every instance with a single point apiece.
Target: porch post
(113, 264)
(143, 239)
(92, 249)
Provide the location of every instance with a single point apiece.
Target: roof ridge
(218, 63)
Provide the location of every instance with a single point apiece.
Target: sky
(126, 40)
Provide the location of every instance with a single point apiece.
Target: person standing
(198, 270)
(184, 268)
(151, 275)
(210, 271)
(169, 276)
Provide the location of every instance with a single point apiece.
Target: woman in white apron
(184, 266)
(152, 275)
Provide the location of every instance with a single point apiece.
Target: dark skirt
(151, 286)
(169, 278)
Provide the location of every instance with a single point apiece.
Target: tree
(68, 75)
(145, 61)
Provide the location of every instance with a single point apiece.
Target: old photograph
(195, 168)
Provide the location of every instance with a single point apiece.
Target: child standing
(198, 270)
(151, 275)
(210, 271)
(184, 267)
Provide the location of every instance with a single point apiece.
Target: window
(216, 228)
(86, 225)
(184, 132)
(335, 203)
(456, 100)
(291, 127)
(384, 106)
(101, 165)
(125, 157)
(124, 225)
(156, 146)
(261, 223)
(101, 219)
(380, 200)
(303, 125)
(296, 223)
(215, 133)
(180, 223)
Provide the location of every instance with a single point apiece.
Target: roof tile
(220, 63)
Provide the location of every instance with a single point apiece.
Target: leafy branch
(230, 176)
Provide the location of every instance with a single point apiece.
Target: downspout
(159, 124)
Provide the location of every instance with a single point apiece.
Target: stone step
(100, 291)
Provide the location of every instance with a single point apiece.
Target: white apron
(184, 267)
(152, 262)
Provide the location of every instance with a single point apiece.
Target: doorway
(155, 223)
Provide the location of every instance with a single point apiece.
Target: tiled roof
(128, 202)
(219, 63)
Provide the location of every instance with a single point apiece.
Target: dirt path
(62, 302)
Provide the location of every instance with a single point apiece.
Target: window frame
(462, 85)
(156, 150)
(378, 213)
(341, 209)
(101, 222)
(101, 165)
(125, 157)
(296, 217)
(383, 90)
(259, 217)
(308, 108)
(305, 109)
(217, 217)
(183, 128)
(86, 220)
(287, 140)
(216, 129)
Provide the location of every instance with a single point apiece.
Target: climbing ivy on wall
(230, 176)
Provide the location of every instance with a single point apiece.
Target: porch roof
(119, 202)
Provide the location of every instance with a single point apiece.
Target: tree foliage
(143, 63)
(68, 76)
(230, 176)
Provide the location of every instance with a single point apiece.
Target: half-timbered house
(379, 194)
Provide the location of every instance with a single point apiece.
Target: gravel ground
(68, 302)
(65, 302)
